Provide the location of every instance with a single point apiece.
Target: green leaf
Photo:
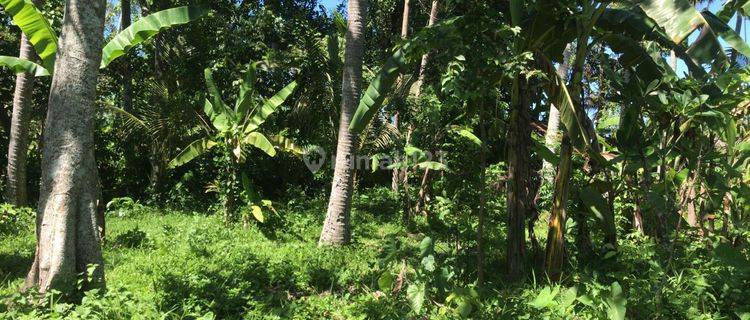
(597, 205)
(376, 93)
(571, 115)
(545, 298)
(147, 27)
(426, 246)
(269, 106)
(195, 149)
(217, 105)
(385, 281)
(257, 213)
(36, 28)
(678, 17)
(616, 303)
(250, 193)
(545, 153)
(708, 49)
(247, 89)
(466, 133)
(415, 294)
(287, 145)
(219, 119)
(23, 66)
(731, 135)
(432, 165)
(260, 141)
(428, 263)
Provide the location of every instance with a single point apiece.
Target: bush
(14, 219)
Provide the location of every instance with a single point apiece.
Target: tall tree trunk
(555, 251)
(68, 241)
(482, 199)
(127, 86)
(420, 83)
(552, 136)
(398, 175)
(18, 143)
(518, 154)
(336, 229)
(426, 57)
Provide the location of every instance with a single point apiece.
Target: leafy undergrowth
(179, 265)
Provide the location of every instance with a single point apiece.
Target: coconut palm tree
(336, 228)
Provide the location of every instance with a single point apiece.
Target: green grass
(179, 265)
(191, 265)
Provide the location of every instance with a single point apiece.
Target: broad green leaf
(257, 213)
(36, 28)
(23, 66)
(250, 193)
(219, 119)
(195, 149)
(376, 93)
(217, 105)
(287, 145)
(616, 303)
(385, 281)
(597, 205)
(708, 47)
(545, 153)
(432, 165)
(731, 135)
(258, 140)
(545, 298)
(571, 115)
(147, 27)
(466, 133)
(415, 294)
(269, 106)
(678, 17)
(247, 89)
(426, 246)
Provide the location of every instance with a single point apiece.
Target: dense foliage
(513, 160)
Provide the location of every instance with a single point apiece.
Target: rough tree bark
(15, 192)
(423, 188)
(336, 229)
(67, 237)
(398, 175)
(434, 10)
(127, 86)
(518, 154)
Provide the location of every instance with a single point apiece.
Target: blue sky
(331, 4)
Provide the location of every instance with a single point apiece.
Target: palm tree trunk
(552, 136)
(127, 86)
(15, 192)
(336, 229)
(518, 154)
(398, 176)
(68, 241)
(555, 251)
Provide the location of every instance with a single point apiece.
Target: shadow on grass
(14, 266)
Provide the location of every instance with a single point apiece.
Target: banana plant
(234, 130)
(39, 32)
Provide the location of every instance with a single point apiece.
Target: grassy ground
(163, 264)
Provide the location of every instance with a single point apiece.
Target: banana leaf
(147, 27)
